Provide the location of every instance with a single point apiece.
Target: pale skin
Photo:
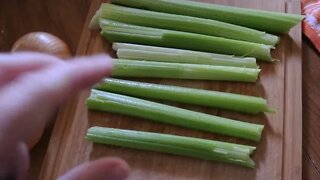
(32, 86)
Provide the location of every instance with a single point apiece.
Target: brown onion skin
(42, 42)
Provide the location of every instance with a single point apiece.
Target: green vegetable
(116, 103)
(148, 69)
(172, 144)
(184, 23)
(215, 99)
(272, 22)
(152, 53)
(126, 33)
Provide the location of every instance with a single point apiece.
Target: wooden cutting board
(278, 154)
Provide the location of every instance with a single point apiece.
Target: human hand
(32, 86)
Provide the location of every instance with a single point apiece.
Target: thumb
(102, 169)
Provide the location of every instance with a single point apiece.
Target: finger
(97, 67)
(56, 83)
(14, 161)
(103, 169)
(22, 160)
(27, 102)
(12, 65)
(25, 57)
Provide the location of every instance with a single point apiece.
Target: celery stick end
(301, 17)
(271, 110)
(115, 46)
(252, 149)
(258, 137)
(94, 23)
(250, 163)
(275, 60)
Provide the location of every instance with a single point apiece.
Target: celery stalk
(127, 33)
(132, 54)
(241, 103)
(172, 144)
(152, 53)
(148, 69)
(94, 22)
(116, 103)
(272, 22)
(185, 23)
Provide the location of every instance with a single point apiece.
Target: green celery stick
(189, 142)
(126, 33)
(132, 54)
(116, 103)
(272, 22)
(172, 144)
(185, 23)
(94, 23)
(236, 102)
(152, 53)
(148, 69)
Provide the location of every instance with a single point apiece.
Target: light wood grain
(293, 103)
(279, 83)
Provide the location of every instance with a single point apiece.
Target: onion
(42, 42)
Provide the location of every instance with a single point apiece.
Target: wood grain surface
(64, 19)
(311, 112)
(278, 155)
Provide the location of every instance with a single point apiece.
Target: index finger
(14, 64)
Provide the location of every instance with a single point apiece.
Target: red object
(311, 24)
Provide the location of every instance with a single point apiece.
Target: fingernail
(119, 168)
(103, 60)
(121, 172)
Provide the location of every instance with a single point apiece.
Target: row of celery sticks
(179, 39)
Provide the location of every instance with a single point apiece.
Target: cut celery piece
(148, 69)
(185, 23)
(127, 33)
(152, 53)
(229, 101)
(172, 144)
(268, 21)
(116, 103)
